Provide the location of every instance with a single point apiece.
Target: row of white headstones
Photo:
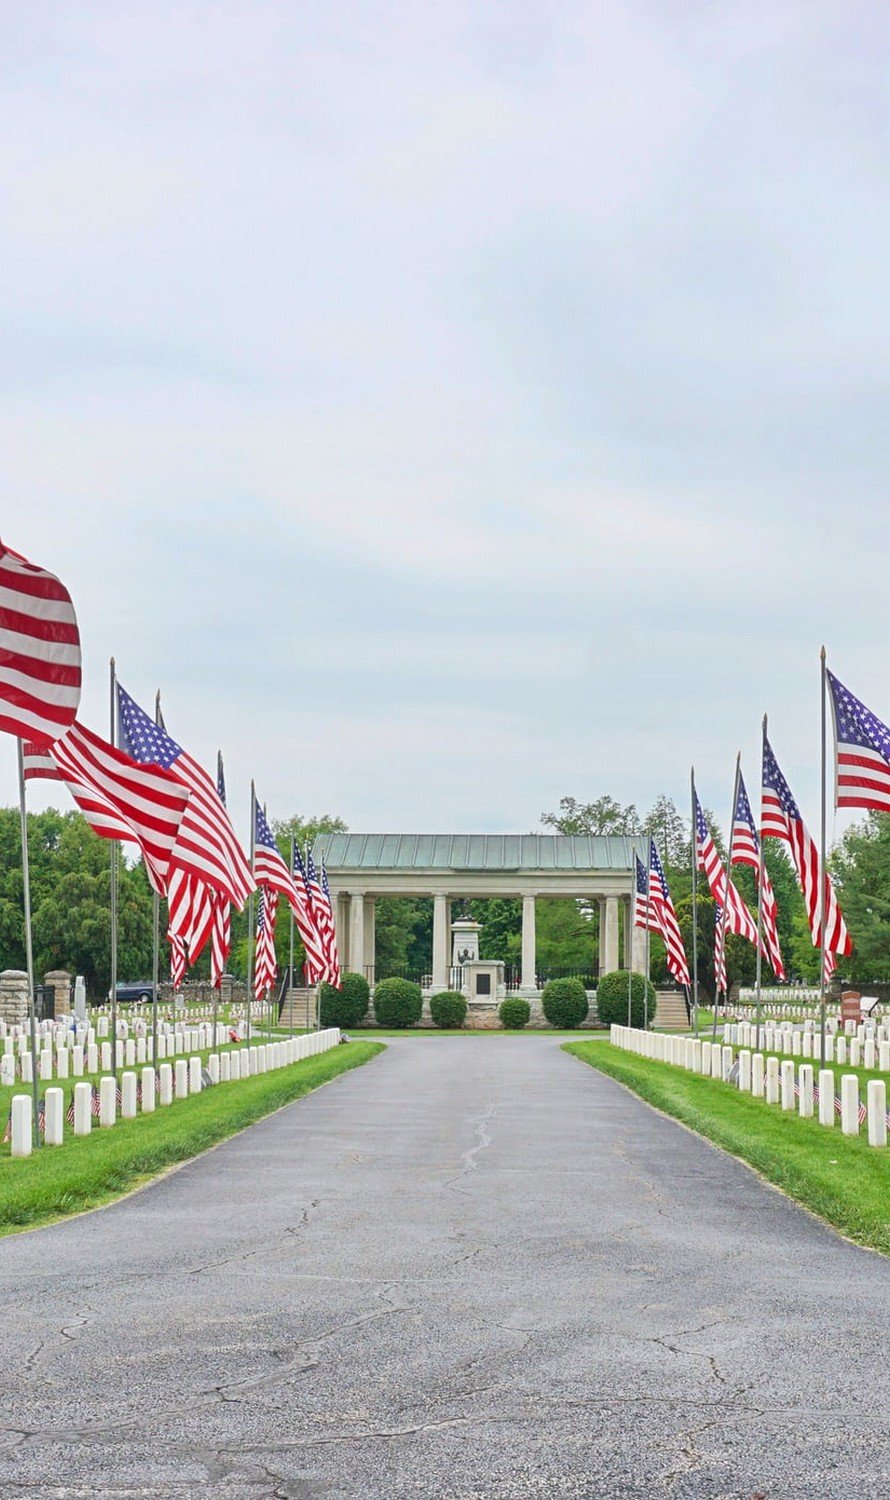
(162, 1086)
(864, 1046)
(773, 1079)
(73, 1050)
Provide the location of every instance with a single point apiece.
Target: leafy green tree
(861, 868)
(670, 831)
(602, 816)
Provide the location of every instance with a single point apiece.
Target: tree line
(70, 893)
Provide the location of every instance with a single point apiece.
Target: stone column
(610, 958)
(60, 982)
(341, 923)
(528, 979)
(370, 938)
(440, 942)
(13, 996)
(357, 932)
(638, 950)
(601, 928)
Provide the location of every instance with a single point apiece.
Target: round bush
(398, 1002)
(514, 1013)
(611, 999)
(448, 1009)
(565, 1003)
(347, 1006)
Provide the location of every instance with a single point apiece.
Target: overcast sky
(451, 407)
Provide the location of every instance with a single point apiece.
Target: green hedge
(448, 1009)
(611, 999)
(514, 1013)
(347, 1006)
(398, 1002)
(565, 1003)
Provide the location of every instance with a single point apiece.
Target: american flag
(862, 752)
(266, 964)
(177, 959)
(120, 798)
(323, 912)
(221, 934)
(269, 866)
(746, 851)
(660, 916)
(738, 917)
(102, 817)
(39, 651)
(207, 846)
(720, 979)
(780, 819)
(307, 922)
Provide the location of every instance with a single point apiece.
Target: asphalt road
(472, 1268)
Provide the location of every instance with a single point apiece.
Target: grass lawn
(841, 1178)
(90, 1170)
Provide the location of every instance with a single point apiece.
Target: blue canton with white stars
(773, 778)
(141, 737)
(856, 724)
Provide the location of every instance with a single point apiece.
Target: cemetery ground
(464, 1271)
(88, 1171)
(839, 1177)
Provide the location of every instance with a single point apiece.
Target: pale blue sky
(451, 407)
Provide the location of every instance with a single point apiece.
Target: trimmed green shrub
(347, 1006)
(448, 1009)
(565, 1003)
(514, 1013)
(398, 1002)
(611, 999)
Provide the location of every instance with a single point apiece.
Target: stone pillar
(627, 933)
(529, 978)
(638, 950)
(59, 981)
(370, 922)
(341, 923)
(601, 940)
(13, 996)
(440, 942)
(357, 932)
(611, 935)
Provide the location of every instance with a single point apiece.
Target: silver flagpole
(724, 914)
(822, 872)
(628, 957)
(646, 975)
(29, 945)
(291, 985)
(270, 998)
(113, 738)
(760, 868)
(155, 940)
(250, 932)
(694, 910)
(216, 987)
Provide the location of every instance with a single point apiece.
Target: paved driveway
(473, 1268)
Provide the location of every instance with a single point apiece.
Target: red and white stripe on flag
(40, 672)
(102, 817)
(266, 963)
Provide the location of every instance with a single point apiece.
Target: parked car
(137, 992)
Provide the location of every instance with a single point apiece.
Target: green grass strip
(87, 1171)
(841, 1178)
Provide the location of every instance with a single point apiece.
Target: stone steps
(670, 1011)
(298, 1010)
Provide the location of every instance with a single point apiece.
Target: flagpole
(29, 945)
(250, 931)
(155, 940)
(270, 996)
(628, 955)
(694, 847)
(760, 868)
(291, 955)
(822, 872)
(725, 912)
(216, 987)
(646, 975)
(114, 872)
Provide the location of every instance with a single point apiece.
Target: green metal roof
(476, 851)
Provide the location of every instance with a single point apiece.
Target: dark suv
(137, 993)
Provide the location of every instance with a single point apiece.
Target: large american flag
(659, 914)
(745, 850)
(861, 752)
(317, 963)
(265, 965)
(323, 913)
(721, 981)
(120, 798)
(207, 847)
(271, 871)
(780, 819)
(221, 934)
(738, 917)
(39, 651)
(177, 959)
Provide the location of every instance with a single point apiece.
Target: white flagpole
(760, 869)
(628, 955)
(646, 975)
(694, 909)
(29, 945)
(251, 937)
(155, 940)
(215, 987)
(723, 918)
(291, 985)
(822, 871)
(113, 842)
